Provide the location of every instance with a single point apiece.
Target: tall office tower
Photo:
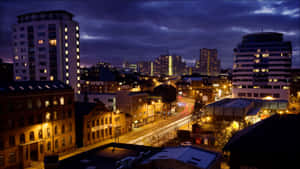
(46, 48)
(262, 66)
(209, 64)
(169, 65)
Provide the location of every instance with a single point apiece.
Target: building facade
(262, 66)
(208, 64)
(96, 123)
(46, 48)
(36, 119)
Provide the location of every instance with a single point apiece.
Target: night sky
(134, 30)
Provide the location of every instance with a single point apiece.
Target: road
(149, 131)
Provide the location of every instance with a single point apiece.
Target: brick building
(36, 119)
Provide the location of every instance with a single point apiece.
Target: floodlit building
(95, 123)
(46, 48)
(262, 67)
(37, 119)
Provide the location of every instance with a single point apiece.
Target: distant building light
(77, 35)
(268, 98)
(52, 42)
(40, 42)
(77, 28)
(16, 57)
(18, 77)
(66, 44)
(78, 57)
(66, 52)
(67, 82)
(51, 78)
(66, 29)
(66, 37)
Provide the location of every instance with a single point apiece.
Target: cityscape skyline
(136, 31)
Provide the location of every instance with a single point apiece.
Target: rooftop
(28, 86)
(191, 155)
(277, 133)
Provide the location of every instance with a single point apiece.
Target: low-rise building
(108, 99)
(270, 143)
(182, 157)
(36, 119)
(95, 123)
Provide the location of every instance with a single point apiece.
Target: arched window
(22, 138)
(49, 146)
(55, 130)
(63, 129)
(56, 144)
(31, 136)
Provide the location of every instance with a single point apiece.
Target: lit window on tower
(40, 42)
(52, 42)
(67, 81)
(67, 60)
(77, 28)
(77, 49)
(66, 37)
(78, 57)
(66, 29)
(77, 42)
(66, 45)
(66, 52)
(77, 35)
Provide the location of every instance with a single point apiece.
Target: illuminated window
(256, 60)
(25, 64)
(66, 29)
(66, 52)
(18, 77)
(255, 70)
(16, 57)
(54, 102)
(78, 92)
(67, 60)
(281, 54)
(285, 87)
(67, 74)
(78, 57)
(62, 100)
(45, 70)
(240, 86)
(52, 42)
(77, 28)
(77, 42)
(265, 55)
(258, 50)
(51, 78)
(77, 35)
(263, 70)
(78, 71)
(67, 67)
(255, 87)
(78, 64)
(67, 81)
(78, 77)
(257, 55)
(78, 84)
(47, 103)
(66, 45)
(40, 42)
(77, 49)
(48, 116)
(66, 37)
(270, 80)
(275, 80)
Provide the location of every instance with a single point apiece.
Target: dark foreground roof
(278, 133)
(31, 86)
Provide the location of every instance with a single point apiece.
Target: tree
(167, 92)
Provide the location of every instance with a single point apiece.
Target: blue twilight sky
(135, 30)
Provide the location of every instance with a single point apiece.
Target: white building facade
(262, 67)
(46, 48)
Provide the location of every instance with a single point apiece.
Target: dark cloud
(134, 30)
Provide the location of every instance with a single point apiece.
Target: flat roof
(190, 155)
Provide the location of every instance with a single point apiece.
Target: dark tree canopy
(167, 92)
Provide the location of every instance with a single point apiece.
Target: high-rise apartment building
(46, 47)
(262, 66)
(208, 64)
(169, 65)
